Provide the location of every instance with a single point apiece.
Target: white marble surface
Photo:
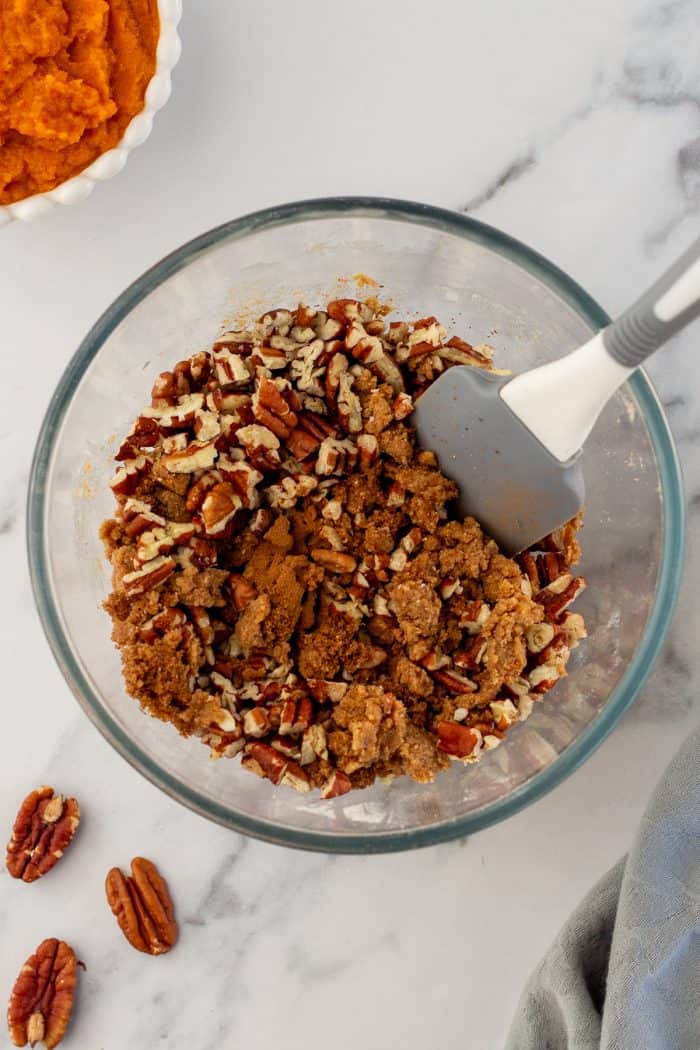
(575, 127)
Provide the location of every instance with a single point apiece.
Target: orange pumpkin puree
(73, 73)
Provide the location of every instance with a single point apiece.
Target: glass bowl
(484, 286)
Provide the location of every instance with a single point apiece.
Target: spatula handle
(669, 305)
(559, 402)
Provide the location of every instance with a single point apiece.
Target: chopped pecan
(334, 561)
(143, 907)
(344, 310)
(272, 409)
(167, 620)
(42, 998)
(261, 445)
(265, 761)
(219, 507)
(457, 740)
(337, 784)
(164, 390)
(455, 683)
(557, 597)
(243, 592)
(198, 456)
(323, 690)
(538, 636)
(128, 477)
(150, 575)
(43, 829)
(161, 540)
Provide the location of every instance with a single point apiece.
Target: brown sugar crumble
(290, 580)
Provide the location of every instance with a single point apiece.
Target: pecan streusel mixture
(290, 580)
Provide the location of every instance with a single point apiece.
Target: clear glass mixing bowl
(488, 288)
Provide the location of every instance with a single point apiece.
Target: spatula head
(507, 480)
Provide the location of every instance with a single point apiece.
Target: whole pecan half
(142, 905)
(42, 998)
(43, 828)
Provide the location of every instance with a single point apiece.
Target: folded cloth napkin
(624, 972)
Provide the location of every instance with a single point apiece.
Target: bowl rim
(620, 699)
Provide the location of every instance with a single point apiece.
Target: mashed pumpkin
(73, 73)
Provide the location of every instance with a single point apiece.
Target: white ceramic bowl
(137, 131)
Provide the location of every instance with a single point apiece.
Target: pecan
(323, 690)
(43, 829)
(402, 405)
(207, 425)
(313, 745)
(543, 677)
(538, 636)
(336, 457)
(200, 366)
(243, 592)
(204, 552)
(557, 597)
(505, 713)
(261, 521)
(306, 438)
(459, 352)
(143, 907)
(244, 479)
(128, 477)
(457, 740)
(145, 434)
(265, 761)
(337, 784)
(455, 683)
(261, 444)
(162, 540)
(295, 716)
(219, 507)
(337, 367)
(412, 540)
(475, 617)
(178, 416)
(290, 490)
(198, 456)
(448, 587)
(574, 628)
(368, 448)
(471, 655)
(224, 735)
(150, 575)
(168, 620)
(348, 405)
(286, 746)
(230, 369)
(42, 998)
(272, 409)
(138, 517)
(344, 310)
(334, 561)
(164, 390)
(256, 722)
(302, 444)
(197, 491)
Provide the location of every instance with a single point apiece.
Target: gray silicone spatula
(513, 444)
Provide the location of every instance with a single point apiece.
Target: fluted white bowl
(137, 131)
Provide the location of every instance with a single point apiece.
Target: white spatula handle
(561, 401)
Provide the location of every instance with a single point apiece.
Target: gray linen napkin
(624, 972)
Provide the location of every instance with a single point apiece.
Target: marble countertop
(578, 133)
